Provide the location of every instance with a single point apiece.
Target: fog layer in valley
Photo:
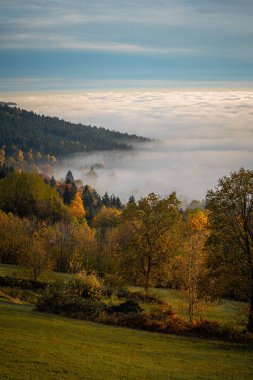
(203, 136)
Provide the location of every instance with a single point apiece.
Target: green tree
(69, 193)
(27, 195)
(106, 200)
(91, 203)
(52, 182)
(131, 200)
(69, 178)
(149, 243)
(231, 241)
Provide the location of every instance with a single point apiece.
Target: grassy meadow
(41, 346)
(44, 346)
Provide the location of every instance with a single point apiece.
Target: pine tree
(69, 177)
(106, 200)
(52, 182)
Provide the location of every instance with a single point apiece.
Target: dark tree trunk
(147, 282)
(250, 320)
(148, 274)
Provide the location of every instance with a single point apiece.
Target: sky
(179, 71)
(70, 44)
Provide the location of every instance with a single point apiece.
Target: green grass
(232, 312)
(41, 346)
(47, 276)
(7, 270)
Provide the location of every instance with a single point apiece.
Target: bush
(21, 283)
(165, 321)
(161, 313)
(132, 320)
(129, 306)
(60, 299)
(113, 284)
(216, 330)
(146, 297)
(87, 285)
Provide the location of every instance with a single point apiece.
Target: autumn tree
(36, 259)
(20, 156)
(72, 246)
(231, 241)
(15, 236)
(76, 208)
(30, 155)
(105, 221)
(149, 244)
(193, 261)
(2, 156)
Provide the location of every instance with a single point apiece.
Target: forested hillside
(23, 130)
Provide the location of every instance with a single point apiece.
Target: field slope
(41, 346)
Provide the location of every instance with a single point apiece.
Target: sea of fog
(202, 135)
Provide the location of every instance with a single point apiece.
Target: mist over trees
(205, 251)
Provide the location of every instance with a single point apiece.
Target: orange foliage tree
(76, 207)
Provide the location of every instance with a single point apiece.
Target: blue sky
(60, 44)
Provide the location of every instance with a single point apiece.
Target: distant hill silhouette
(25, 130)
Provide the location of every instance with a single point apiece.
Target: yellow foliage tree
(193, 262)
(20, 156)
(2, 156)
(105, 223)
(76, 207)
(30, 155)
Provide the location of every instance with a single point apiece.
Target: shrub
(129, 306)
(59, 299)
(113, 284)
(132, 320)
(161, 313)
(87, 285)
(216, 330)
(53, 298)
(21, 283)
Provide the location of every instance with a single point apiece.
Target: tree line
(26, 131)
